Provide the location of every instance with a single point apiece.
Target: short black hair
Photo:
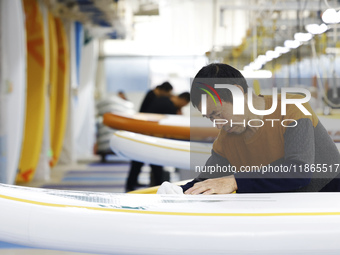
(165, 86)
(185, 96)
(217, 73)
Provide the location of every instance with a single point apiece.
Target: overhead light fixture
(303, 37)
(331, 16)
(281, 50)
(255, 65)
(259, 63)
(256, 74)
(292, 44)
(272, 54)
(262, 59)
(316, 29)
(247, 68)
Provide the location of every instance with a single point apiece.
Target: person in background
(166, 105)
(160, 105)
(163, 90)
(169, 105)
(122, 95)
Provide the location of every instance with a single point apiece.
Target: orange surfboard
(151, 124)
(36, 91)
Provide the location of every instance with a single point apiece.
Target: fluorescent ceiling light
(331, 16)
(255, 65)
(292, 44)
(269, 58)
(259, 63)
(316, 29)
(281, 50)
(303, 37)
(272, 54)
(247, 68)
(257, 74)
(261, 59)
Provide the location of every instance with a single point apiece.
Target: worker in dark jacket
(163, 90)
(161, 105)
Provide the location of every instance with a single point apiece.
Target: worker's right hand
(169, 188)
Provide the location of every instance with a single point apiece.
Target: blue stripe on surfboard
(109, 164)
(5, 245)
(79, 44)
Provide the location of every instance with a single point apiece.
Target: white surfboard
(84, 114)
(12, 86)
(106, 223)
(159, 151)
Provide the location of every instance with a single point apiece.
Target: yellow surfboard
(53, 79)
(36, 91)
(62, 91)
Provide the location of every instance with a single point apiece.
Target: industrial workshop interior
(139, 127)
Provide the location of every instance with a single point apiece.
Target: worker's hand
(169, 188)
(224, 185)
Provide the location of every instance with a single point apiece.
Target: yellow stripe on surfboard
(62, 91)
(171, 213)
(36, 91)
(160, 146)
(151, 190)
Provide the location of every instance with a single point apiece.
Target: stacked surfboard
(104, 133)
(34, 88)
(12, 87)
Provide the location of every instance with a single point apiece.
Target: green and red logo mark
(204, 98)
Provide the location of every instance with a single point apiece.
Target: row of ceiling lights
(330, 16)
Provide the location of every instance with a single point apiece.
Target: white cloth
(169, 188)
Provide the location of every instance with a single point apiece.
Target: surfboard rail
(159, 125)
(159, 151)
